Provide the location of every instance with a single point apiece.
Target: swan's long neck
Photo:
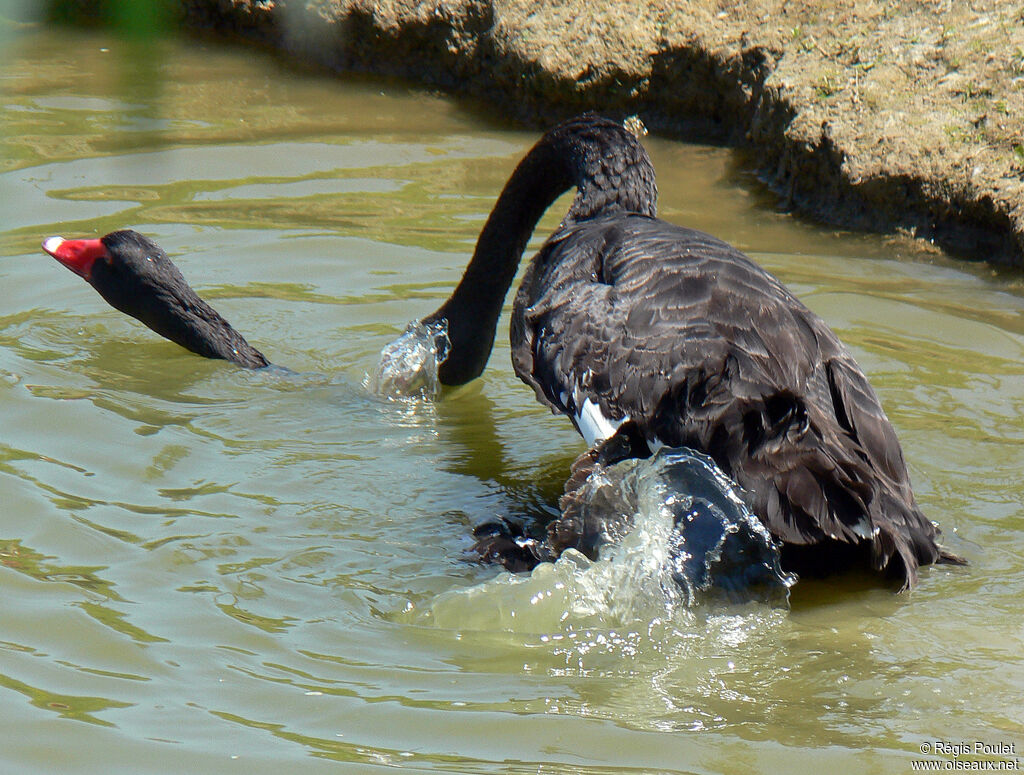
(610, 170)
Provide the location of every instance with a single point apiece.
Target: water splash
(717, 545)
(408, 365)
(676, 540)
(699, 541)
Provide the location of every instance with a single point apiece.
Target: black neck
(610, 170)
(168, 305)
(204, 331)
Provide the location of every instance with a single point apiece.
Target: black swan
(646, 335)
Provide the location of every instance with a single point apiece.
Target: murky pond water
(207, 569)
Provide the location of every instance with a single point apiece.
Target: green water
(210, 570)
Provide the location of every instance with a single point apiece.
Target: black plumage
(679, 339)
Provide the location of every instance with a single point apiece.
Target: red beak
(78, 255)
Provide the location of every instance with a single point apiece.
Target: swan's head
(130, 271)
(124, 266)
(134, 275)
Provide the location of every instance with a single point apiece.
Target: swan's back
(677, 335)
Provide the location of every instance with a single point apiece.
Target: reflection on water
(219, 568)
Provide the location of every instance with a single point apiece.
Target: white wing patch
(593, 425)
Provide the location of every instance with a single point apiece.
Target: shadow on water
(469, 427)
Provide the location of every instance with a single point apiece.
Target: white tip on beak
(52, 244)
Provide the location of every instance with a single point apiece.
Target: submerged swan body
(646, 334)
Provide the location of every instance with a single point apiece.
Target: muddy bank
(890, 116)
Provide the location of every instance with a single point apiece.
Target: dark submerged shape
(648, 334)
(134, 275)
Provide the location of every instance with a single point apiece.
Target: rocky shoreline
(903, 116)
